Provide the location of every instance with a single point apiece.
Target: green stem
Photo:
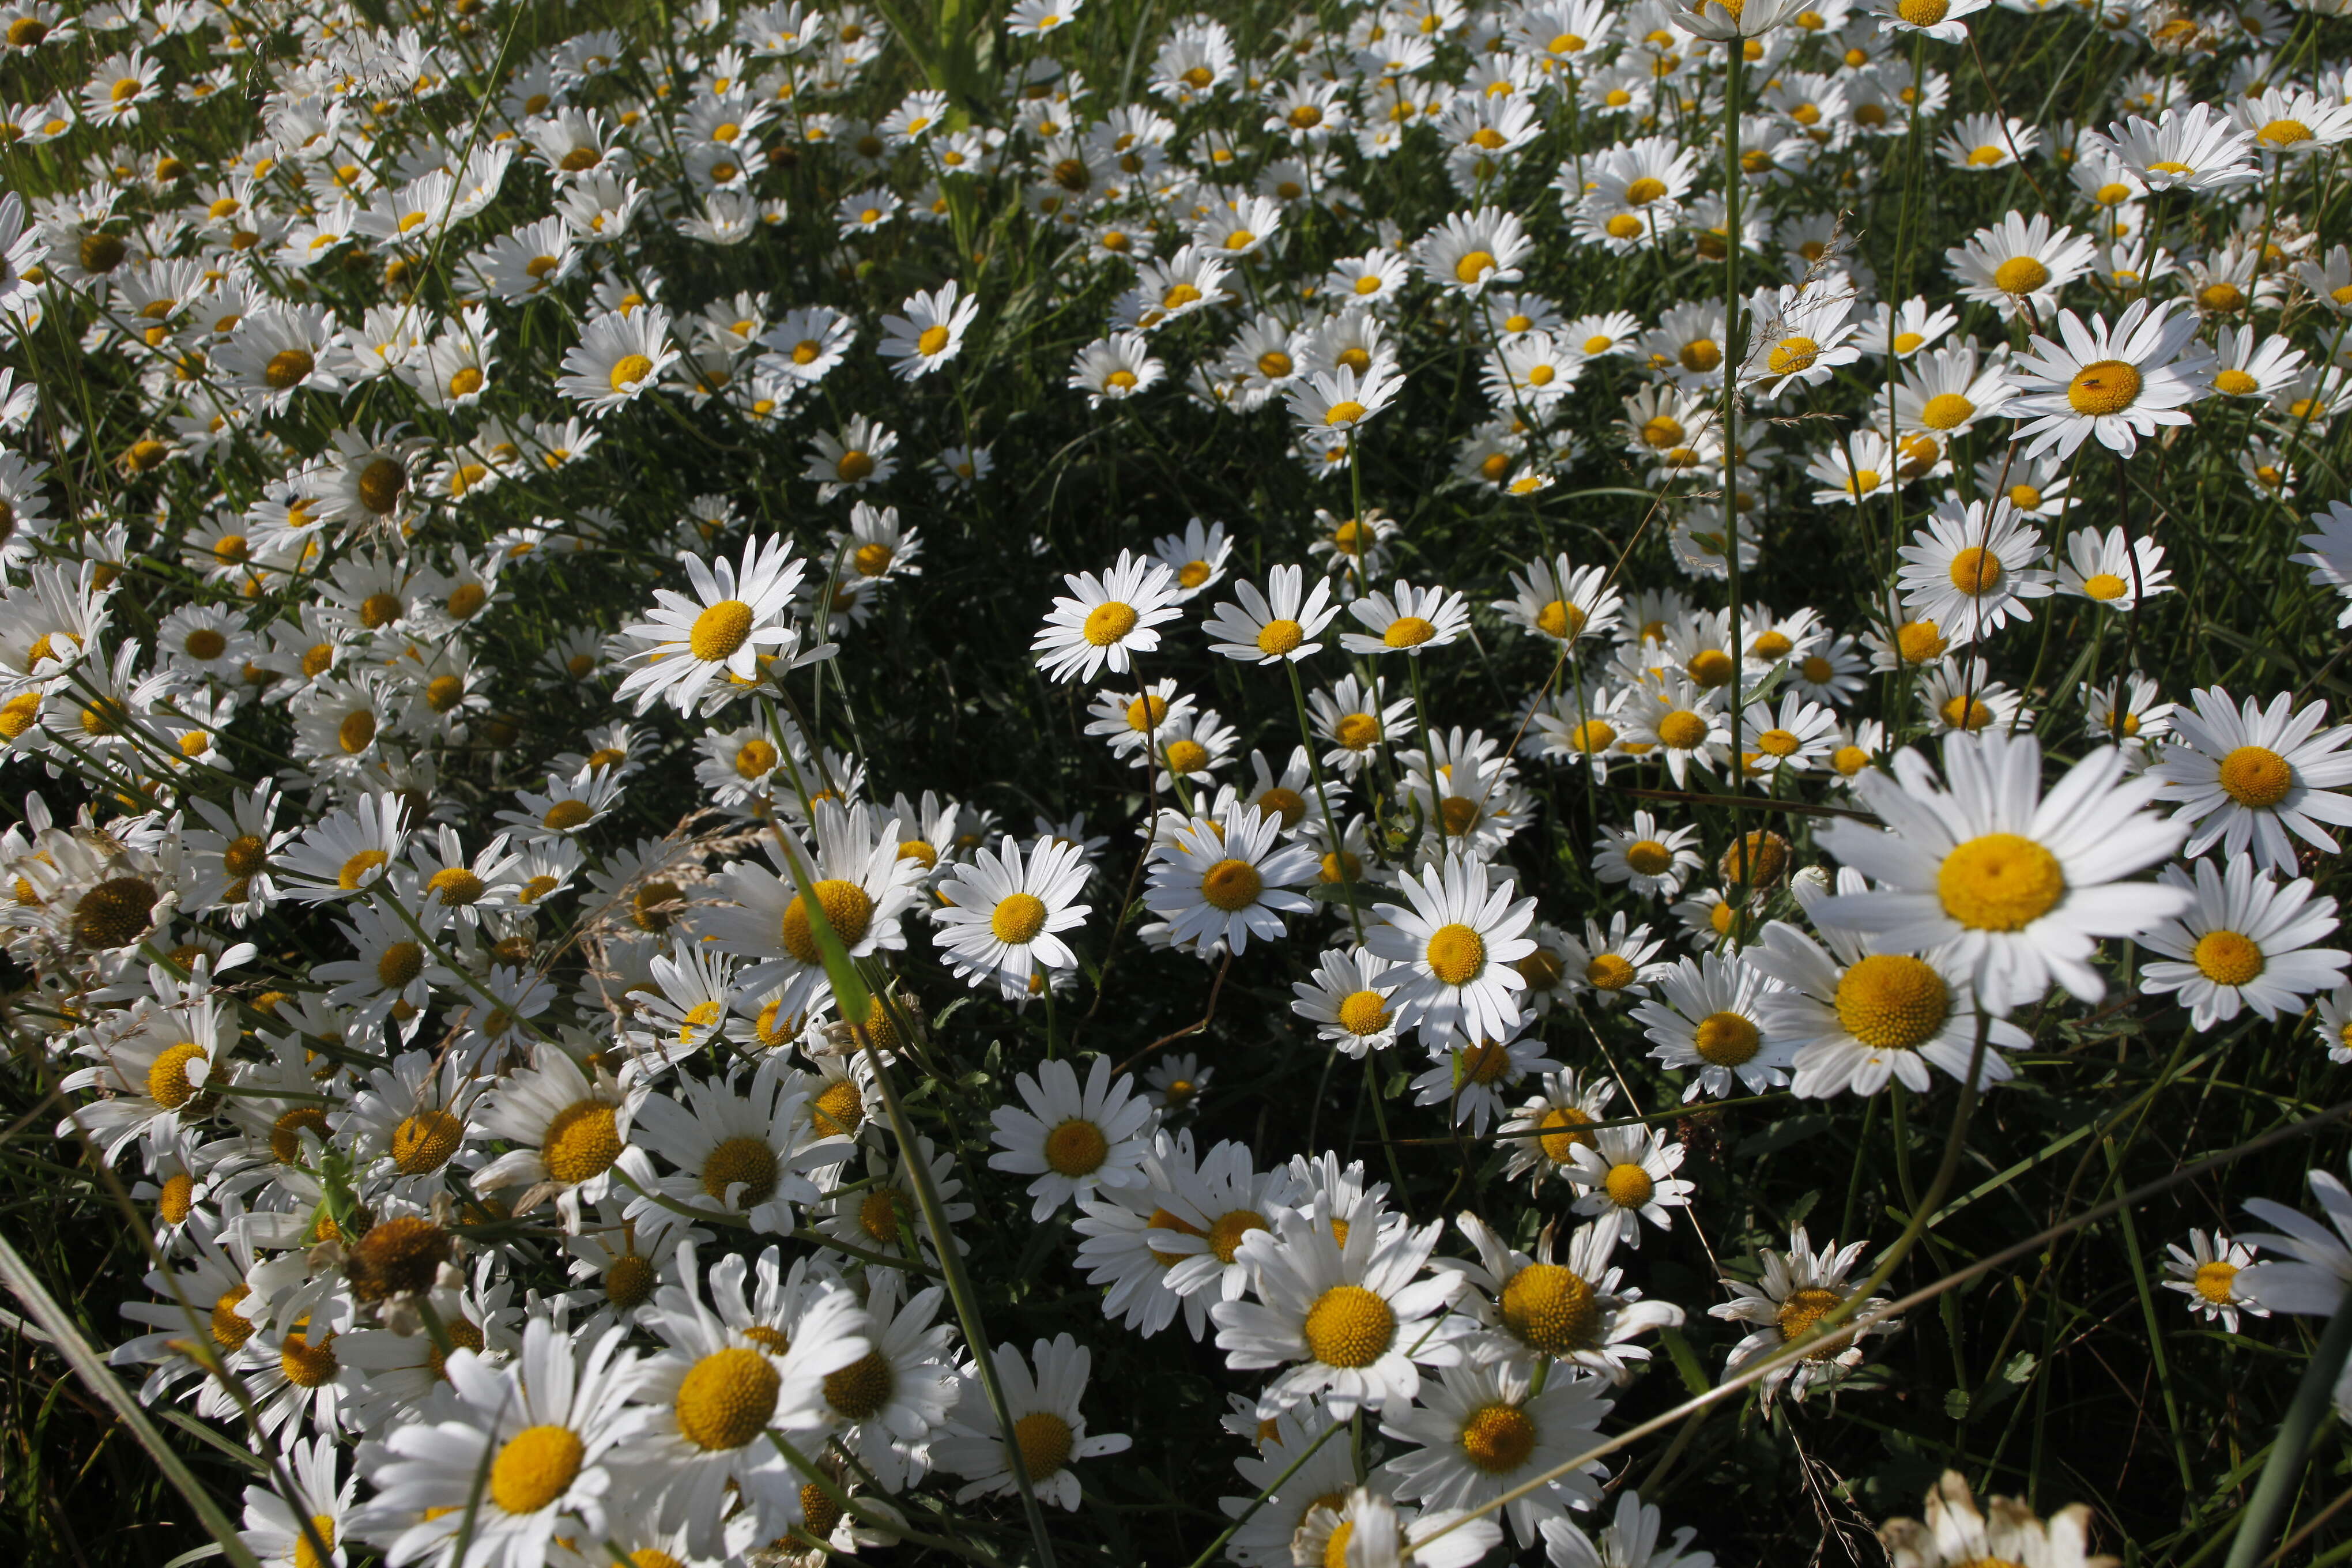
(2284, 1470)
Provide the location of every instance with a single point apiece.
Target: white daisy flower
(1004, 918)
(1071, 1140)
(1797, 1289)
(1485, 1430)
(1049, 1427)
(1106, 620)
(2246, 944)
(1353, 1324)
(2259, 776)
(2206, 1271)
(2021, 883)
(1709, 1021)
(1454, 943)
(2117, 383)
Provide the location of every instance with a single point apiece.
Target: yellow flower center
(1725, 1039)
(1629, 1186)
(286, 368)
(1077, 1148)
(230, 1326)
(1700, 355)
(2227, 958)
(1551, 1310)
(424, 1141)
(1999, 882)
(399, 964)
(1473, 266)
(534, 1466)
(1892, 1001)
(1946, 410)
(2109, 386)
(748, 1160)
(566, 815)
(1497, 1438)
(726, 1398)
(1108, 622)
(1804, 1309)
(933, 340)
(1278, 638)
(167, 1079)
(719, 630)
(2217, 1283)
(1682, 731)
(1792, 355)
(2256, 776)
(1455, 953)
(1408, 631)
(1709, 668)
(2283, 133)
(581, 1142)
(1349, 1326)
(1609, 971)
(1226, 1233)
(629, 370)
(1045, 1440)
(356, 731)
(848, 908)
(2019, 274)
(286, 1132)
(1919, 641)
(1347, 411)
(863, 1387)
(1975, 570)
(307, 1365)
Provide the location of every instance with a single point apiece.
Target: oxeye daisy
(1331, 406)
(1626, 1175)
(930, 334)
(1856, 1015)
(2019, 264)
(1456, 941)
(1679, 723)
(1268, 628)
(711, 1398)
(858, 879)
(1485, 1430)
(517, 1458)
(2206, 1271)
(1565, 1305)
(2256, 776)
(1049, 1427)
(1197, 555)
(1630, 1540)
(1353, 1324)
(2020, 884)
(619, 356)
(1071, 1140)
(1472, 1079)
(1709, 1021)
(2109, 569)
(1971, 569)
(2245, 944)
(1408, 619)
(1108, 619)
(1956, 1532)
(1356, 717)
(1796, 1290)
(1649, 860)
(2117, 383)
(563, 1130)
(737, 620)
(1542, 1137)
(748, 1153)
(1003, 913)
(1112, 369)
(1555, 600)
(1347, 1000)
(1223, 881)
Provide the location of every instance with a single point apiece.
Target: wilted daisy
(1797, 1289)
